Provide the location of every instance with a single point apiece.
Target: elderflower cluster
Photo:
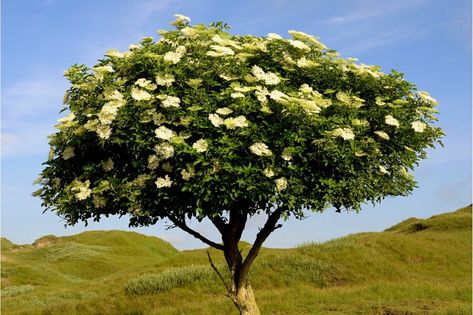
(260, 149)
(269, 78)
(162, 182)
(344, 133)
(80, 189)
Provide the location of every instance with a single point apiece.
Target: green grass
(419, 266)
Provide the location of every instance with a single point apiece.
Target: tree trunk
(244, 300)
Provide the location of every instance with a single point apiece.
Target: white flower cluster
(286, 154)
(164, 150)
(269, 78)
(281, 183)
(230, 123)
(175, 56)
(268, 172)
(165, 80)
(187, 173)
(170, 101)
(299, 45)
(224, 111)
(180, 20)
(219, 51)
(344, 133)
(163, 182)
(390, 120)
(260, 149)
(383, 170)
(80, 189)
(382, 134)
(68, 153)
(164, 133)
(146, 84)
(426, 97)
(107, 114)
(140, 95)
(301, 36)
(201, 145)
(237, 122)
(418, 126)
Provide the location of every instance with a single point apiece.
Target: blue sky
(428, 40)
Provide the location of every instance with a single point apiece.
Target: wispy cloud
(29, 110)
(376, 9)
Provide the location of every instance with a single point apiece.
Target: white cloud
(373, 9)
(30, 108)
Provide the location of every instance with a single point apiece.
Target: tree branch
(262, 235)
(219, 275)
(183, 226)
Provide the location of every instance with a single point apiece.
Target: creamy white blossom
(273, 36)
(426, 97)
(170, 101)
(344, 133)
(134, 46)
(181, 20)
(382, 135)
(68, 153)
(260, 149)
(237, 95)
(108, 113)
(286, 154)
(164, 133)
(383, 170)
(153, 162)
(219, 51)
(224, 111)
(201, 145)
(146, 84)
(81, 189)
(418, 126)
(216, 120)
(189, 32)
(298, 44)
(172, 56)
(66, 121)
(164, 150)
(103, 131)
(187, 174)
(305, 63)
(269, 78)
(165, 80)
(104, 69)
(278, 96)
(140, 95)
(281, 183)
(163, 182)
(237, 122)
(268, 172)
(114, 53)
(390, 120)
(99, 202)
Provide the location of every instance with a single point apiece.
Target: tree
(203, 124)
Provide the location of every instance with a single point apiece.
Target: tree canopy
(205, 124)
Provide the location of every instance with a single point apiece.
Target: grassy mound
(419, 266)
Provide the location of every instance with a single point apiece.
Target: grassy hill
(419, 266)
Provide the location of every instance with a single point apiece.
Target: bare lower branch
(183, 226)
(219, 275)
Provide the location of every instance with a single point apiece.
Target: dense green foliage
(403, 270)
(202, 122)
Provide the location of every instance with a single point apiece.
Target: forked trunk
(244, 300)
